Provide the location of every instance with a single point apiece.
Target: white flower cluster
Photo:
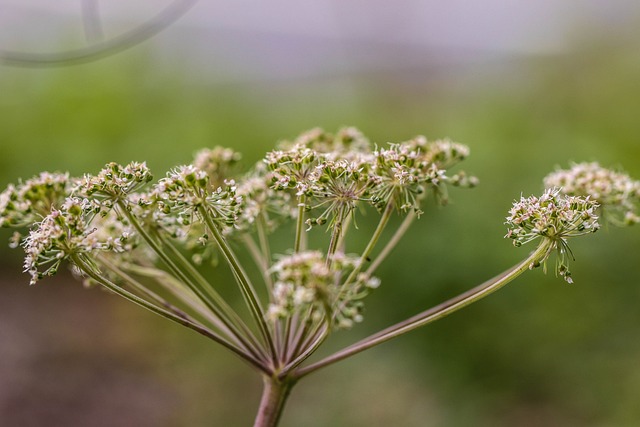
(555, 217)
(30, 201)
(71, 230)
(261, 201)
(336, 172)
(186, 188)
(114, 181)
(217, 163)
(616, 192)
(402, 175)
(305, 281)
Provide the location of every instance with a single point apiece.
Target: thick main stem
(274, 396)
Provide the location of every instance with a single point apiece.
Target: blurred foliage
(541, 352)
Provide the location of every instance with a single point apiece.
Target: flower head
(402, 176)
(186, 189)
(616, 192)
(337, 187)
(305, 281)
(114, 181)
(554, 217)
(30, 201)
(73, 229)
(217, 163)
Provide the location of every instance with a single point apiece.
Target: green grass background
(540, 352)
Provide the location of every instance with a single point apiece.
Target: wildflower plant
(145, 241)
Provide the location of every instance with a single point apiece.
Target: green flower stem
(316, 339)
(140, 287)
(333, 243)
(296, 338)
(297, 328)
(247, 290)
(384, 220)
(90, 271)
(204, 284)
(345, 228)
(274, 397)
(297, 244)
(258, 259)
(434, 313)
(167, 305)
(286, 339)
(198, 289)
(261, 227)
(397, 236)
(177, 289)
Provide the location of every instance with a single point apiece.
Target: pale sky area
(268, 37)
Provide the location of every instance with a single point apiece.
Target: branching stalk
(391, 244)
(198, 289)
(432, 314)
(88, 270)
(247, 290)
(297, 244)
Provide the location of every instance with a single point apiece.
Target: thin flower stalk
(248, 292)
(185, 295)
(299, 240)
(201, 290)
(89, 271)
(393, 242)
(432, 314)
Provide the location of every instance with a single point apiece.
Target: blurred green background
(540, 352)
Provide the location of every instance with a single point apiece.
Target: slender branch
(309, 349)
(333, 243)
(199, 289)
(227, 310)
(345, 228)
(432, 314)
(247, 290)
(89, 270)
(261, 227)
(177, 289)
(170, 307)
(299, 224)
(391, 244)
(258, 259)
(384, 220)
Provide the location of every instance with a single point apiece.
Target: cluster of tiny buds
(616, 192)
(30, 201)
(217, 163)
(552, 215)
(74, 228)
(555, 217)
(115, 181)
(316, 165)
(306, 281)
(186, 189)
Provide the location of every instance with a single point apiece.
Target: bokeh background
(529, 86)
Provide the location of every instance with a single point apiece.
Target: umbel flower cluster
(147, 242)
